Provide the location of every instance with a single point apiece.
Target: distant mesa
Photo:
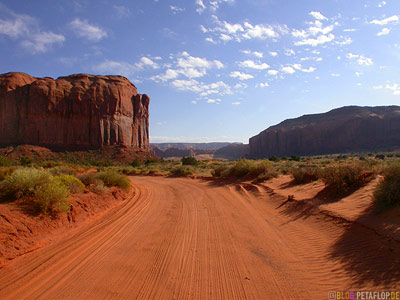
(75, 112)
(346, 129)
(222, 150)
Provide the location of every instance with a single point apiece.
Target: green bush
(89, 179)
(25, 161)
(136, 163)
(183, 171)
(5, 172)
(52, 197)
(5, 162)
(247, 169)
(113, 178)
(387, 193)
(73, 184)
(343, 179)
(273, 158)
(50, 164)
(380, 156)
(150, 161)
(304, 175)
(189, 161)
(45, 191)
(294, 158)
(62, 170)
(23, 182)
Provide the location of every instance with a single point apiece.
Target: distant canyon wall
(346, 129)
(73, 112)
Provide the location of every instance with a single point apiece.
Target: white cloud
(42, 41)
(300, 68)
(299, 33)
(121, 11)
(254, 53)
(384, 31)
(210, 40)
(394, 88)
(238, 32)
(350, 30)
(187, 61)
(335, 75)
(273, 72)
(393, 19)
(289, 52)
(322, 39)
(27, 30)
(85, 30)
(273, 53)
(318, 15)
(264, 84)
(176, 9)
(236, 103)
(288, 70)
(252, 65)
(168, 75)
(115, 67)
(147, 62)
(361, 59)
(200, 88)
(201, 6)
(382, 4)
(240, 75)
(358, 74)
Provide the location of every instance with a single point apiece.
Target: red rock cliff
(74, 112)
(346, 129)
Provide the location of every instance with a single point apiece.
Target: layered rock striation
(73, 112)
(346, 129)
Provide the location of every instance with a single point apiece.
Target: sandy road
(191, 239)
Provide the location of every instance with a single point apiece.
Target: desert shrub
(248, 169)
(25, 161)
(113, 178)
(62, 170)
(294, 158)
(73, 184)
(5, 172)
(189, 161)
(304, 175)
(220, 171)
(273, 158)
(387, 193)
(50, 164)
(45, 192)
(135, 163)
(52, 197)
(380, 156)
(343, 179)
(150, 161)
(89, 179)
(183, 171)
(5, 162)
(23, 182)
(263, 170)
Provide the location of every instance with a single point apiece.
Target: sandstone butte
(346, 129)
(75, 112)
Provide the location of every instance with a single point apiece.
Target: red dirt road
(191, 239)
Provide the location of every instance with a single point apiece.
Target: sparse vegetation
(113, 178)
(247, 169)
(73, 184)
(387, 193)
(39, 187)
(183, 171)
(343, 179)
(305, 174)
(5, 162)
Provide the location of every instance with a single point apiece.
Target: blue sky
(215, 70)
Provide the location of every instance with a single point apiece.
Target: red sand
(192, 239)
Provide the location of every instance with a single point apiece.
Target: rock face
(346, 129)
(74, 112)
